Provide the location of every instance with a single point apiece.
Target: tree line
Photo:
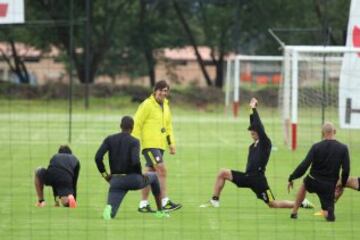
(114, 37)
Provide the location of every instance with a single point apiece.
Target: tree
(16, 62)
(216, 20)
(156, 28)
(104, 17)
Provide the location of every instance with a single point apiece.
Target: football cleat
(211, 203)
(319, 213)
(170, 206)
(72, 201)
(146, 209)
(307, 204)
(107, 212)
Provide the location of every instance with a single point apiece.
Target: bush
(202, 98)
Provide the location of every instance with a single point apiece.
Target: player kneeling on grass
(62, 175)
(352, 183)
(326, 158)
(125, 169)
(254, 176)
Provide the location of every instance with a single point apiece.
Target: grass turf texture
(31, 131)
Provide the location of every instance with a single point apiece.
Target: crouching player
(125, 169)
(62, 175)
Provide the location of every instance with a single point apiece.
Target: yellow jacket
(153, 124)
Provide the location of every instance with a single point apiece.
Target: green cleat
(107, 212)
(161, 214)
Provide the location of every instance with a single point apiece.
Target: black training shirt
(123, 154)
(326, 159)
(259, 152)
(67, 162)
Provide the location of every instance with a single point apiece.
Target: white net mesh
(309, 95)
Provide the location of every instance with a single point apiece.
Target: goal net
(313, 90)
(249, 72)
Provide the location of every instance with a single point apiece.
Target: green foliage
(126, 34)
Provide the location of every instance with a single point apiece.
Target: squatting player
(254, 176)
(62, 175)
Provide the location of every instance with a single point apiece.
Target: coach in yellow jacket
(153, 127)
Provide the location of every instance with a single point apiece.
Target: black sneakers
(146, 209)
(293, 216)
(170, 206)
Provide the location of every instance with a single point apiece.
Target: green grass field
(31, 131)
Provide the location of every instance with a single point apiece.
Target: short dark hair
(64, 149)
(161, 85)
(127, 123)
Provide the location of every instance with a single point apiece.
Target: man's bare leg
(221, 178)
(281, 204)
(145, 191)
(223, 175)
(352, 182)
(162, 174)
(300, 196)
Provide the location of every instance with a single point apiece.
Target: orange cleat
(72, 201)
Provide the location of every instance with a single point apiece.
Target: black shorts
(324, 189)
(153, 156)
(61, 181)
(256, 182)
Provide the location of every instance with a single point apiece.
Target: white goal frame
(290, 84)
(232, 77)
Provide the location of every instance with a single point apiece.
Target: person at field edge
(254, 175)
(153, 127)
(125, 169)
(326, 158)
(62, 175)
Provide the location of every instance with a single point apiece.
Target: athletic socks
(164, 201)
(143, 203)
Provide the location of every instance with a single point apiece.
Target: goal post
(242, 70)
(311, 92)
